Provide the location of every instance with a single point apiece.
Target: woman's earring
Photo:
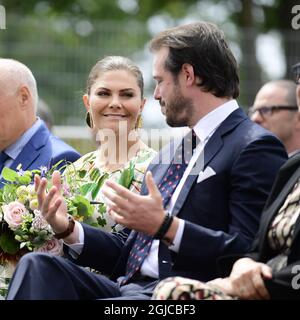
(139, 122)
(89, 120)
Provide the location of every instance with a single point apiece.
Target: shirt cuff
(178, 236)
(75, 249)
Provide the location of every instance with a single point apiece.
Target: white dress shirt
(204, 129)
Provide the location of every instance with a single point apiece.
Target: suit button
(164, 261)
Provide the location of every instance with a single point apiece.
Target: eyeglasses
(296, 73)
(268, 111)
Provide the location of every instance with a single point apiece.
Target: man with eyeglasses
(275, 108)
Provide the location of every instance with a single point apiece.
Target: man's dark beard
(179, 111)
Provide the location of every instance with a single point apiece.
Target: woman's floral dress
(85, 177)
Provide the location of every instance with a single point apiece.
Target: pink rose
(13, 214)
(52, 246)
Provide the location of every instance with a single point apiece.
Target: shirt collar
(14, 149)
(294, 152)
(207, 125)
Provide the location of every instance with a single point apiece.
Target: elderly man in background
(24, 138)
(275, 108)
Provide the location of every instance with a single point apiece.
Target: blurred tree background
(61, 40)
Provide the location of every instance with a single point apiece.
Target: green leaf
(8, 243)
(90, 221)
(95, 174)
(25, 179)
(9, 192)
(86, 188)
(83, 206)
(99, 184)
(82, 174)
(90, 157)
(36, 171)
(9, 174)
(101, 221)
(127, 176)
(56, 165)
(102, 208)
(20, 232)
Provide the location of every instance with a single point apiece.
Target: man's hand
(144, 213)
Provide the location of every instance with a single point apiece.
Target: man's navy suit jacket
(44, 149)
(221, 213)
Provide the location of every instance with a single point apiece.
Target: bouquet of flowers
(23, 229)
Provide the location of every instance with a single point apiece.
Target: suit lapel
(215, 143)
(26, 157)
(183, 194)
(211, 149)
(32, 149)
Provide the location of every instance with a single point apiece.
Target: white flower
(22, 198)
(21, 191)
(31, 190)
(34, 204)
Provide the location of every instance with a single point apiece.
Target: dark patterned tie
(3, 158)
(143, 242)
(176, 170)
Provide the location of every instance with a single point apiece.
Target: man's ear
(86, 102)
(24, 96)
(188, 74)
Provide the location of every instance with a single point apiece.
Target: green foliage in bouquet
(84, 183)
